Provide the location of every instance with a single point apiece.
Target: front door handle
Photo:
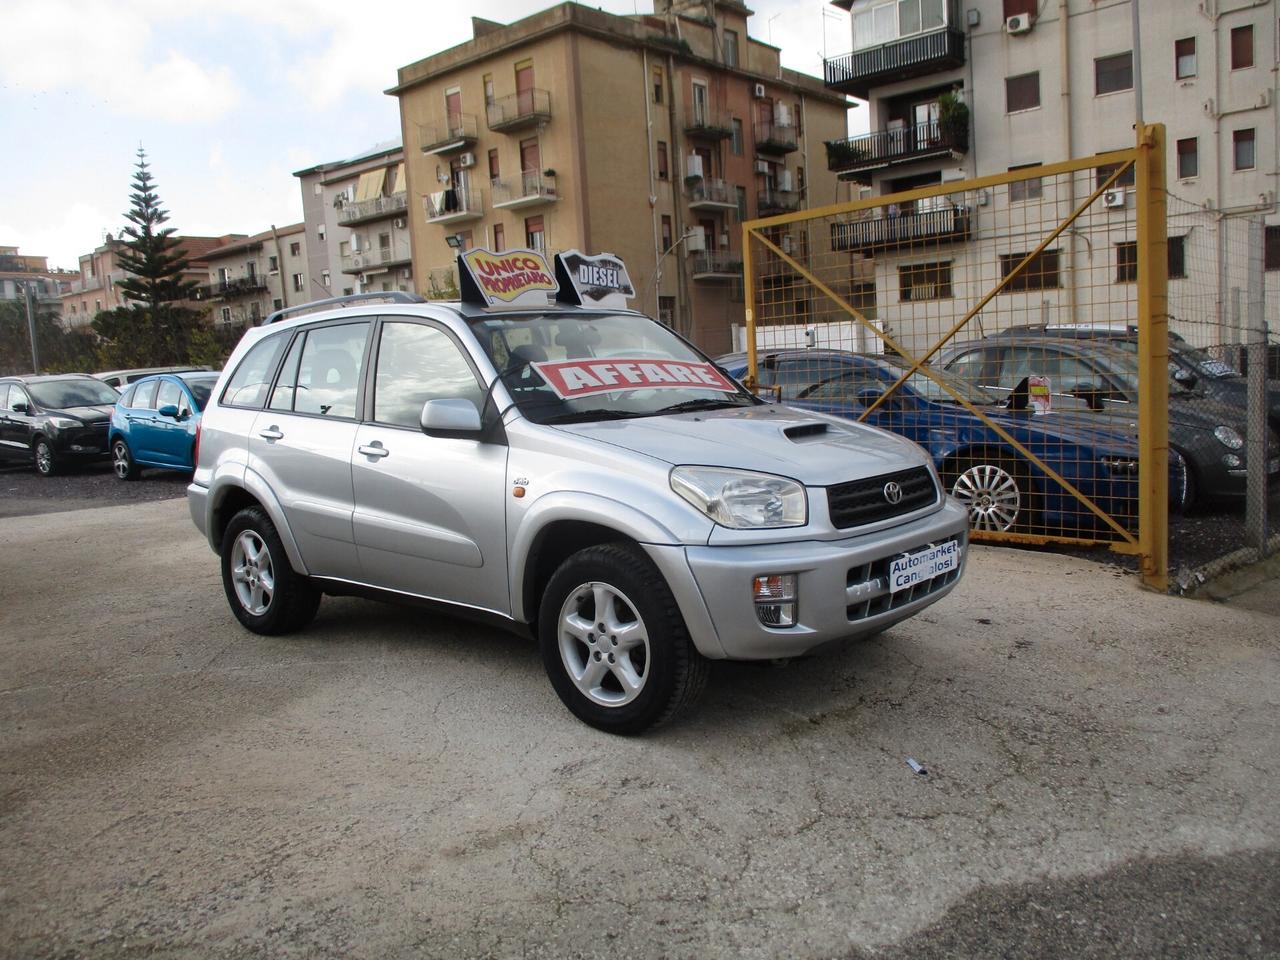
(375, 449)
(271, 433)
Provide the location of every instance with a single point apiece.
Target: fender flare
(253, 484)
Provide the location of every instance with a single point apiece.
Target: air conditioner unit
(757, 91)
(697, 241)
(693, 166)
(399, 223)
(467, 160)
(1018, 24)
(762, 166)
(1114, 199)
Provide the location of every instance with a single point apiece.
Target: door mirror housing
(451, 417)
(1185, 378)
(21, 407)
(169, 410)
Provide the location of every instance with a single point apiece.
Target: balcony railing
(367, 260)
(231, 288)
(711, 193)
(858, 72)
(359, 212)
(711, 124)
(530, 188)
(715, 266)
(457, 131)
(453, 206)
(918, 228)
(519, 110)
(773, 137)
(915, 141)
(777, 201)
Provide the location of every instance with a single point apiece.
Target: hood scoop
(805, 431)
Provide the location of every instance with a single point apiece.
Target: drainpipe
(1064, 59)
(653, 207)
(684, 318)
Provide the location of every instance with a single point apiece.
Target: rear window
(200, 389)
(248, 385)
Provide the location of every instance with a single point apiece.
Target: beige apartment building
(21, 271)
(249, 277)
(650, 136)
(1044, 81)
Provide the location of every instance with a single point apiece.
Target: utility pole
(30, 297)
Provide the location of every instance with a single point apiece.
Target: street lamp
(657, 267)
(454, 240)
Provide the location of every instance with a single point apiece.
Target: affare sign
(513, 278)
(582, 378)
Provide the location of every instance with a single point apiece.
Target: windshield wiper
(597, 413)
(702, 403)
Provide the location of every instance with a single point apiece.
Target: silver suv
(580, 474)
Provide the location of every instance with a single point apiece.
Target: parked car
(578, 473)
(156, 421)
(1207, 435)
(122, 378)
(1001, 488)
(55, 420)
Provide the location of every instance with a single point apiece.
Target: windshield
(1205, 363)
(571, 367)
(929, 387)
(200, 388)
(61, 394)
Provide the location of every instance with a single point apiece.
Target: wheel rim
(120, 459)
(991, 495)
(604, 644)
(252, 573)
(44, 457)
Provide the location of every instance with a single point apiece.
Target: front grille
(868, 586)
(860, 502)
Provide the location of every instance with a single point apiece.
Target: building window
(1242, 149)
(701, 103)
(657, 84)
(1177, 258)
(1127, 262)
(226, 314)
(1022, 92)
(487, 83)
(277, 304)
(797, 118)
(295, 249)
(885, 22)
(1029, 189)
(316, 189)
(298, 285)
(255, 311)
(347, 291)
(737, 137)
(324, 279)
(1126, 179)
(742, 203)
(499, 238)
(1271, 249)
(1242, 47)
(273, 265)
(320, 232)
(1040, 274)
(924, 281)
(1114, 73)
(663, 169)
(1184, 58)
(1188, 158)
(1014, 8)
(493, 164)
(730, 48)
(667, 311)
(534, 237)
(667, 235)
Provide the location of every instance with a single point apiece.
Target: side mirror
(450, 417)
(169, 410)
(21, 408)
(1185, 378)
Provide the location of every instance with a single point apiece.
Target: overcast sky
(229, 98)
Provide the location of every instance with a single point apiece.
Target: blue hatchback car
(155, 421)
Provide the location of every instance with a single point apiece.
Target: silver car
(581, 475)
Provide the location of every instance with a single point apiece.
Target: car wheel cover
(252, 573)
(991, 496)
(120, 459)
(604, 645)
(44, 457)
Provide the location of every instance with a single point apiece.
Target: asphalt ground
(391, 784)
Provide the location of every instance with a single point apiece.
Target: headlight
(1228, 437)
(741, 499)
(64, 423)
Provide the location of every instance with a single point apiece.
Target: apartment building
(20, 272)
(249, 277)
(650, 136)
(96, 287)
(356, 216)
(957, 90)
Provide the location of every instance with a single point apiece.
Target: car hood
(814, 449)
(1086, 429)
(94, 414)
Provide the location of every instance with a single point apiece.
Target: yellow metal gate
(993, 321)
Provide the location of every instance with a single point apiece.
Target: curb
(1189, 582)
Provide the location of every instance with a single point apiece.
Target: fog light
(1232, 461)
(775, 599)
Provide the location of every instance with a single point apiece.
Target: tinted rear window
(200, 389)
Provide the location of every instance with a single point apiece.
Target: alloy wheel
(604, 644)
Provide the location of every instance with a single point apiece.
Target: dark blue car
(154, 423)
(1003, 490)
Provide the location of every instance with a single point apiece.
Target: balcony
(375, 209)
(855, 158)
(773, 137)
(231, 288)
(371, 261)
(856, 73)
(456, 132)
(519, 110)
(769, 202)
(527, 190)
(945, 224)
(716, 266)
(710, 193)
(453, 206)
(710, 125)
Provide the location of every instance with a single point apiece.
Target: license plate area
(921, 565)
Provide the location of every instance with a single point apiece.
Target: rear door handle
(375, 449)
(271, 433)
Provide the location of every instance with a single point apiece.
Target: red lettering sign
(582, 378)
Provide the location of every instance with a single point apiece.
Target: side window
(797, 376)
(969, 366)
(145, 395)
(126, 398)
(329, 371)
(287, 382)
(417, 363)
(18, 396)
(4, 398)
(169, 392)
(248, 385)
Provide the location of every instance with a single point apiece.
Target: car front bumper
(843, 589)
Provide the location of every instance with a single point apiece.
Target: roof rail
(391, 296)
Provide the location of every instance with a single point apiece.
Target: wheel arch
(549, 547)
(228, 498)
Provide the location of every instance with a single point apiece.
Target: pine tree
(151, 254)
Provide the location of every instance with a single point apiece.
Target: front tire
(122, 461)
(614, 644)
(45, 459)
(265, 593)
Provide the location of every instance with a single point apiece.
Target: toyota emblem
(893, 492)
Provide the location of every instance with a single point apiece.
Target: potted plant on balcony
(953, 120)
(842, 153)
